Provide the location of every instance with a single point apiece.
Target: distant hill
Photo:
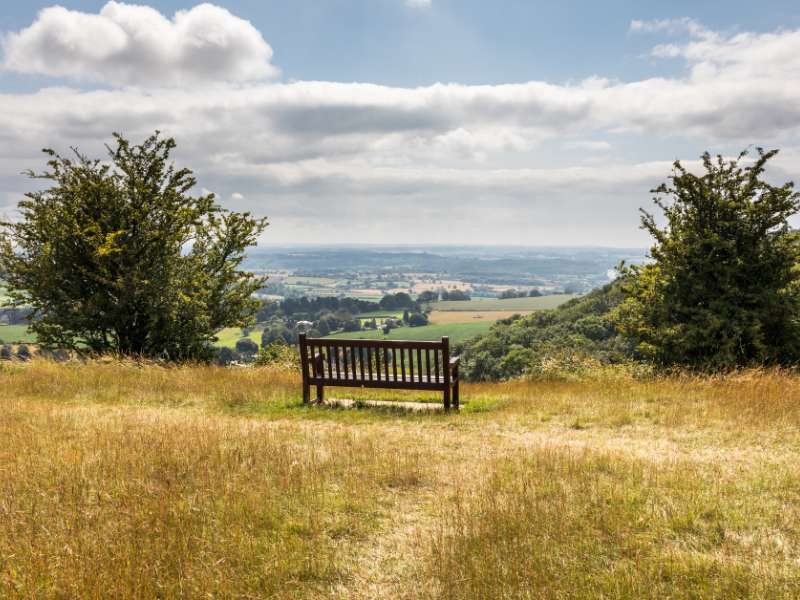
(515, 345)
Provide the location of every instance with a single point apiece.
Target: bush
(278, 355)
(417, 320)
(6, 352)
(23, 353)
(226, 356)
(246, 347)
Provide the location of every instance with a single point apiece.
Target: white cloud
(419, 3)
(136, 45)
(390, 163)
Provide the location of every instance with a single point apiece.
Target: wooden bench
(384, 364)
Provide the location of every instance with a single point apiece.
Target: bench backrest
(367, 361)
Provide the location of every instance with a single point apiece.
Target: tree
(534, 293)
(246, 347)
(417, 320)
(722, 289)
(458, 295)
(226, 356)
(427, 297)
(405, 316)
(277, 333)
(351, 325)
(116, 256)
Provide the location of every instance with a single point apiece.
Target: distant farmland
(511, 304)
(457, 332)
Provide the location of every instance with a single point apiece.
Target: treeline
(324, 315)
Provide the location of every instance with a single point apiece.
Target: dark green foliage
(398, 301)
(722, 290)
(6, 352)
(512, 293)
(417, 320)
(246, 346)
(115, 256)
(534, 293)
(23, 352)
(517, 345)
(455, 295)
(351, 325)
(279, 333)
(428, 296)
(226, 356)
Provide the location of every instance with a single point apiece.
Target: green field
(458, 332)
(230, 335)
(538, 303)
(11, 334)
(381, 314)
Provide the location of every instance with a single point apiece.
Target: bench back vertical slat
(436, 364)
(403, 364)
(427, 365)
(419, 364)
(353, 373)
(328, 360)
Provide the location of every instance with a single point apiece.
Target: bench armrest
(454, 366)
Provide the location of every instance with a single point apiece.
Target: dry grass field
(127, 481)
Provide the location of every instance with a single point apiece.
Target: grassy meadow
(508, 304)
(140, 481)
(458, 332)
(12, 334)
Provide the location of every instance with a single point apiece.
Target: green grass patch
(230, 335)
(537, 303)
(457, 332)
(11, 334)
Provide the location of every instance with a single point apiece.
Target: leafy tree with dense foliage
(246, 346)
(457, 295)
(417, 320)
(116, 256)
(722, 289)
(427, 297)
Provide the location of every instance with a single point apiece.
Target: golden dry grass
(127, 481)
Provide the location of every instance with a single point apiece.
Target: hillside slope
(518, 345)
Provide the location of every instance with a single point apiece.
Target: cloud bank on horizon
(534, 162)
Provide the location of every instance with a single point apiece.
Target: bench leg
(306, 393)
(447, 398)
(455, 395)
(320, 394)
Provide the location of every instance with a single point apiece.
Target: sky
(409, 121)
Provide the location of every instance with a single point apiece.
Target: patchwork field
(510, 304)
(457, 332)
(445, 317)
(127, 481)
